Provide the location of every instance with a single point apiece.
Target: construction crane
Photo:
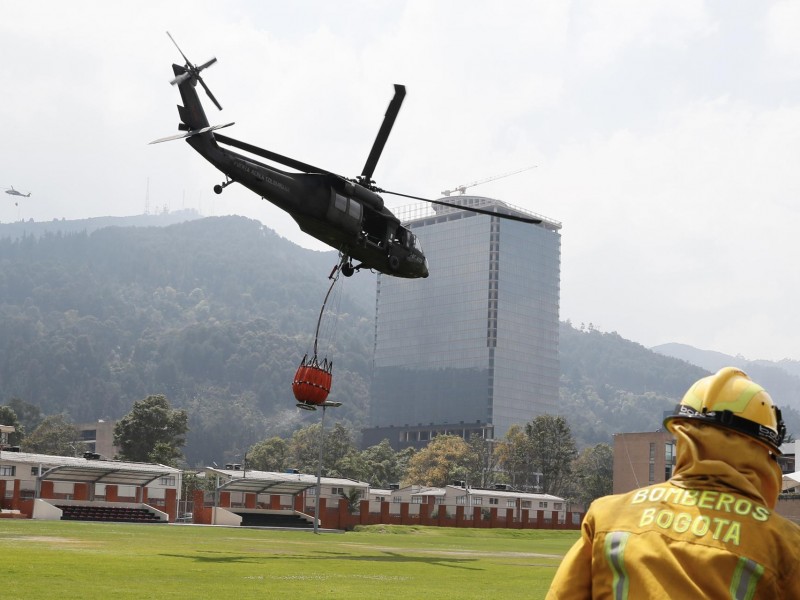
(461, 189)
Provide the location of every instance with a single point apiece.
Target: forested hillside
(780, 378)
(610, 384)
(31, 228)
(216, 314)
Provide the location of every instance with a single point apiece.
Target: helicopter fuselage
(342, 213)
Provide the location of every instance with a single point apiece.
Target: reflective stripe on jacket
(709, 532)
(664, 541)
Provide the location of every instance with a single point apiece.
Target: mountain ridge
(780, 378)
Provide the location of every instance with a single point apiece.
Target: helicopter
(347, 214)
(14, 192)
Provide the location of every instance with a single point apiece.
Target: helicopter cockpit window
(354, 209)
(415, 243)
(340, 202)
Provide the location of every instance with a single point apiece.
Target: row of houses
(31, 485)
(457, 494)
(45, 487)
(347, 502)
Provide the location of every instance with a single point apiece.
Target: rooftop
(69, 468)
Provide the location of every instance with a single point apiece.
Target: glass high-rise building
(474, 347)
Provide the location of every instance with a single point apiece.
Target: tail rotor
(193, 71)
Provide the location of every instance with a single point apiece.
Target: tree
(403, 457)
(553, 450)
(481, 462)
(340, 455)
(165, 453)
(190, 482)
(9, 417)
(436, 465)
(514, 455)
(381, 465)
(353, 497)
(304, 449)
(351, 466)
(152, 431)
(29, 415)
(593, 474)
(56, 436)
(268, 455)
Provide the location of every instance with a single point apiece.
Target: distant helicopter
(347, 214)
(14, 192)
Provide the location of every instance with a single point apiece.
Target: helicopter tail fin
(191, 113)
(194, 121)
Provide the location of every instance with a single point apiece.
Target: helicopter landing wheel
(348, 269)
(219, 187)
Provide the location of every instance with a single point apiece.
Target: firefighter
(711, 530)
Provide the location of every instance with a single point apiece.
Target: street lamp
(324, 405)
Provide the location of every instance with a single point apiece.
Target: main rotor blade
(467, 208)
(207, 64)
(179, 48)
(269, 155)
(383, 132)
(208, 92)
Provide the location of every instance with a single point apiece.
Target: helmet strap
(728, 419)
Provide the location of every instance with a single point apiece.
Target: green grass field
(68, 559)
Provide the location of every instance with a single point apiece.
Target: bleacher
(74, 512)
(293, 521)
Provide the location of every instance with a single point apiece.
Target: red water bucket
(312, 381)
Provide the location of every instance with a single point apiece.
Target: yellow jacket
(709, 532)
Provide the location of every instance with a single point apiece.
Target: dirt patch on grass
(54, 540)
(460, 553)
(478, 553)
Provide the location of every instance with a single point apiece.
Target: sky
(665, 134)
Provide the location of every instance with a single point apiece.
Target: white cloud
(682, 224)
(607, 28)
(781, 26)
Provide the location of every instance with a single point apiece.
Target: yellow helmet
(731, 399)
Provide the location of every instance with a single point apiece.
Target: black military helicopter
(14, 192)
(347, 214)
